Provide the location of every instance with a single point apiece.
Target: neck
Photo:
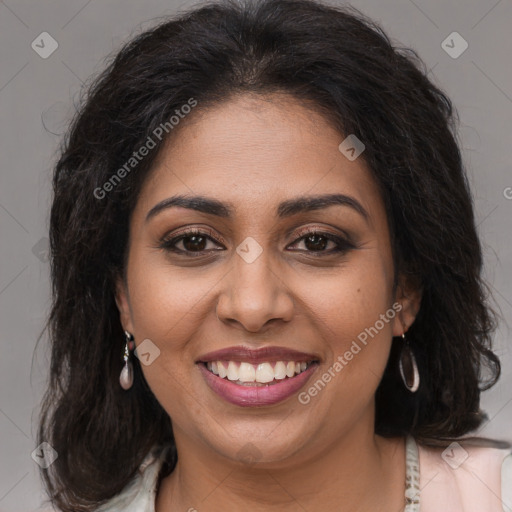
(361, 472)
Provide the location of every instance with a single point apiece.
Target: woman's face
(255, 277)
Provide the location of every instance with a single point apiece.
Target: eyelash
(169, 244)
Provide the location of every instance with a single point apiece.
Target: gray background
(37, 92)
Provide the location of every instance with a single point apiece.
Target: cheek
(168, 304)
(169, 310)
(352, 299)
(347, 313)
(354, 317)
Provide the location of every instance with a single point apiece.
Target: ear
(123, 304)
(408, 295)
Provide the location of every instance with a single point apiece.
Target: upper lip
(261, 355)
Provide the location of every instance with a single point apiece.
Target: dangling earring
(408, 367)
(126, 377)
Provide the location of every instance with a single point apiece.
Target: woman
(267, 278)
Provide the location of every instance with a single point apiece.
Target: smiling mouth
(257, 375)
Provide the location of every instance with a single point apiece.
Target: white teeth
(222, 370)
(232, 371)
(263, 373)
(246, 372)
(280, 370)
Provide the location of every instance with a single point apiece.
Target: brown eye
(190, 242)
(317, 242)
(194, 242)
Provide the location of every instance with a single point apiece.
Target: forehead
(252, 152)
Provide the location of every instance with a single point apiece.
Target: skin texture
(254, 152)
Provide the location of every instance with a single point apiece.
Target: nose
(255, 295)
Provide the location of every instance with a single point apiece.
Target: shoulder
(139, 495)
(466, 476)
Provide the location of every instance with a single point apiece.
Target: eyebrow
(285, 209)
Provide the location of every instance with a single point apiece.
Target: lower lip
(254, 396)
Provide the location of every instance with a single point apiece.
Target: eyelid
(322, 230)
(169, 241)
(208, 231)
(188, 231)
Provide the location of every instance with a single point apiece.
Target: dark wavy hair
(342, 65)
